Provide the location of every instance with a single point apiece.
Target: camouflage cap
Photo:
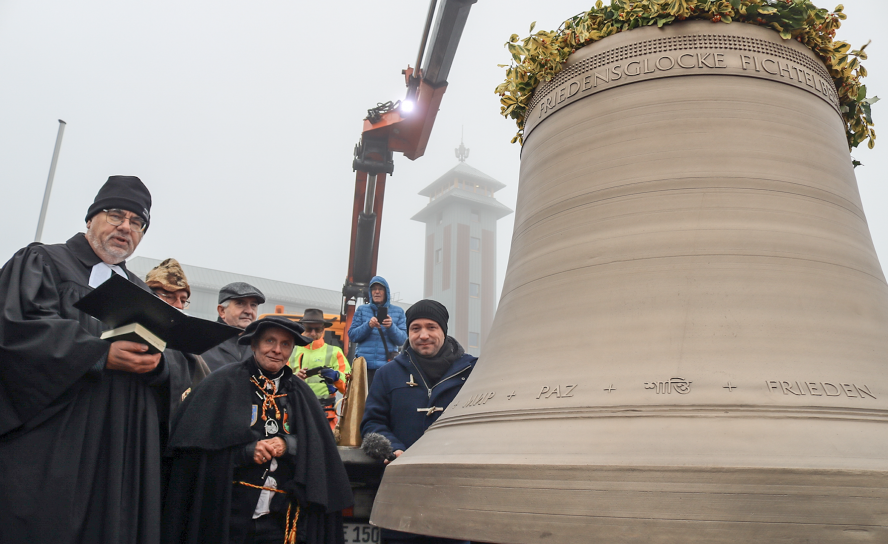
(168, 276)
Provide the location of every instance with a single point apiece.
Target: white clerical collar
(102, 272)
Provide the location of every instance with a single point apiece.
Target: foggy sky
(241, 118)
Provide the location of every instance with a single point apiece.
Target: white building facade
(460, 249)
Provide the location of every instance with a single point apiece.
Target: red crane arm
(390, 128)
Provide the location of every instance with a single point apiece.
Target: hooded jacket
(370, 345)
(393, 404)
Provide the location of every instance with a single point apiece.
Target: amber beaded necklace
(269, 398)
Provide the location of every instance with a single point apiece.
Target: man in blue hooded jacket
(410, 394)
(378, 340)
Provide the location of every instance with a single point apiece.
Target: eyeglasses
(314, 329)
(171, 298)
(117, 217)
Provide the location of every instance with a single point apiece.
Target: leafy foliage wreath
(540, 56)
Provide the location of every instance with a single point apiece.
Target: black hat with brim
(315, 316)
(255, 329)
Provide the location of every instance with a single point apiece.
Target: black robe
(212, 426)
(79, 445)
(186, 371)
(226, 353)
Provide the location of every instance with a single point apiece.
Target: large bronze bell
(692, 341)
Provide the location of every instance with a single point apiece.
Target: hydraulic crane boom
(404, 127)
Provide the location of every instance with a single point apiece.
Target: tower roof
(477, 201)
(464, 173)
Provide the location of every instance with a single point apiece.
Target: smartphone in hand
(381, 314)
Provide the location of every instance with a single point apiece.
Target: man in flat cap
(79, 429)
(169, 283)
(409, 394)
(253, 460)
(327, 364)
(238, 306)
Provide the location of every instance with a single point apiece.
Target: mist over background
(241, 118)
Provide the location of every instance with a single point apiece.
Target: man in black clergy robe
(79, 435)
(254, 460)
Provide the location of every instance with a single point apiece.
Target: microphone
(378, 447)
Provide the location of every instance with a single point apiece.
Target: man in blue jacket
(378, 339)
(410, 393)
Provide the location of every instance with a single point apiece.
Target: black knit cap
(428, 309)
(123, 192)
(255, 329)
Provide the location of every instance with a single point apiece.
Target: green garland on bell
(540, 56)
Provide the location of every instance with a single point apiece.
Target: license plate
(361, 532)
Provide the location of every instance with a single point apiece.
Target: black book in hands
(136, 333)
(120, 304)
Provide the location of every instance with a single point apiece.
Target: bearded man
(253, 460)
(79, 431)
